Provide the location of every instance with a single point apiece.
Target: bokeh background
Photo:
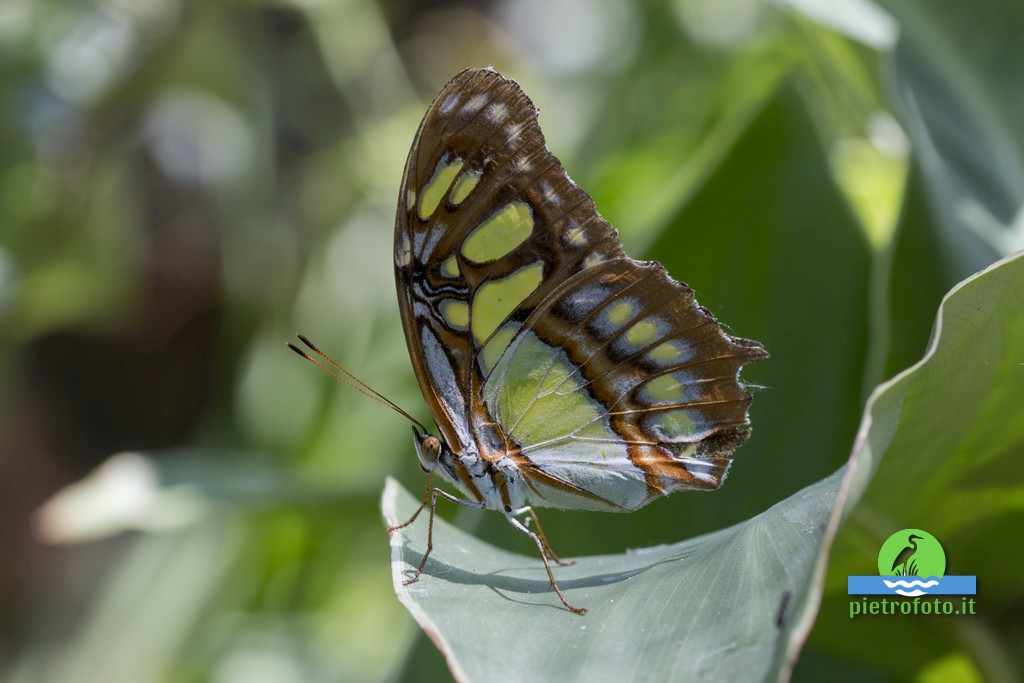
(184, 185)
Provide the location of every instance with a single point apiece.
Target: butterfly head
(428, 449)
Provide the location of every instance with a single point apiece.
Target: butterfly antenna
(334, 370)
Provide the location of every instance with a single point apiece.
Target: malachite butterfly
(560, 371)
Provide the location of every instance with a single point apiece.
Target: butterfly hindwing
(534, 337)
(621, 374)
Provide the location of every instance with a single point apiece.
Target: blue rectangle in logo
(911, 586)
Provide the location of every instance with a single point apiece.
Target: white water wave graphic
(910, 589)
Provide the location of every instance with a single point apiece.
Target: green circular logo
(911, 552)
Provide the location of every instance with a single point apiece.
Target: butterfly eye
(432, 446)
(428, 451)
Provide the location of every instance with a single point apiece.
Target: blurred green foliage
(185, 184)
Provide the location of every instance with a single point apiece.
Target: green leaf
(704, 608)
(716, 607)
(917, 280)
(953, 79)
(940, 450)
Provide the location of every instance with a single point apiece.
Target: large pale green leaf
(710, 607)
(705, 608)
(942, 448)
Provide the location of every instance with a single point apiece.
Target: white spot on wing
(550, 196)
(514, 131)
(474, 103)
(575, 235)
(497, 112)
(403, 255)
(522, 165)
(449, 103)
(585, 299)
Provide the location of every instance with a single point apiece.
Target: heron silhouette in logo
(905, 564)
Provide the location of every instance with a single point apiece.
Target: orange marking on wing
(532, 471)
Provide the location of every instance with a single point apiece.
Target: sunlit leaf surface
(706, 608)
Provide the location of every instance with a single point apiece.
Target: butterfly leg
(423, 503)
(526, 509)
(547, 565)
(430, 495)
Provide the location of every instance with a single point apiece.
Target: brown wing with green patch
(532, 334)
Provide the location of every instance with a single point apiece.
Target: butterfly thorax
(495, 483)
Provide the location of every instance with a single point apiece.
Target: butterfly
(560, 372)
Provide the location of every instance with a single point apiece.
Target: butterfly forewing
(534, 337)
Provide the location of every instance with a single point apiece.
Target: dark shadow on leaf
(497, 580)
(549, 605)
